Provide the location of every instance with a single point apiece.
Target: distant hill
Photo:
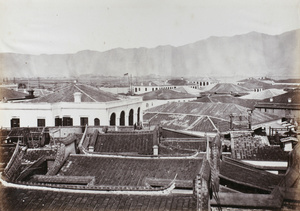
(252, 54)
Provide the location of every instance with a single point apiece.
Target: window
(58, 121)
(84, 121)
(15, 122)
(97, 122)
(67, 121)
(41, 122)
(135, 89)
(145, 89)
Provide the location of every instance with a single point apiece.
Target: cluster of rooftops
(150, 168)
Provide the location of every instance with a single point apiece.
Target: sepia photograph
(149, 105)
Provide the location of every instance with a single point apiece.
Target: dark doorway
(122, 118)
(83, 122)
(112, 121)
(130, 117)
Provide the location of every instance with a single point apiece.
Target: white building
(150, 86)
(73, 105)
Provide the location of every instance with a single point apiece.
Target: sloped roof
(227, 99)
(268, 93)
(177, 82)
(242, 173)
(33, 199)
(283, 98)
(130, 171)
(11, 94)
(281, 101)
(65, 94)
(197, 116)
(228, 88)
(254, 83)
(188, 90)
(166, 94)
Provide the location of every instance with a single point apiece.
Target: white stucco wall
(28, 113)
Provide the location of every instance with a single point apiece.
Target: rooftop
(228, 88)
(255, 83)
(245, 174)
(294, 95)
(221, 111)
(65, 94)
(11, 94)
(28, 199)
(130, 171)
(268, 93)
(227, 99)
(166, 94)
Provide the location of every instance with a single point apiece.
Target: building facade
(85, 106)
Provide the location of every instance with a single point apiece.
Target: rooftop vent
(77, 97)
(289, 100)
(30, 94)
(271, 99)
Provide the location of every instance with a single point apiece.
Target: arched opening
(130, 117)
(122, 118)
(97, 122)
(112, 121)
(138, 114)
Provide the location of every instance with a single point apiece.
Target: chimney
(77, 97)
(30, 94)
(289, 100)
(271, 99)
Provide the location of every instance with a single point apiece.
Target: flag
(125, 74)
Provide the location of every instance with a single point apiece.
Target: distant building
(72, 105)
(286, 105)
(203, 82)
(150, 86)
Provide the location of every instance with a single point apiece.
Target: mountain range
(252, 54)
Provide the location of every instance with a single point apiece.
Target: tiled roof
(254, 83)
(196, 116)
(177, 82)
(23, 199)
(11, 94)
(166, 94)
(128, 171)
(188, 90)
(227, 99)
(22, 131)
(228, 88)
(283, 98)
(124, 142)
(268, 93)
(65, 94)
(242, 173)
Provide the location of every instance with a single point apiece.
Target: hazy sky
(68, 26)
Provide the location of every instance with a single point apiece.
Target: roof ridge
(85, 93)
(212, 123)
